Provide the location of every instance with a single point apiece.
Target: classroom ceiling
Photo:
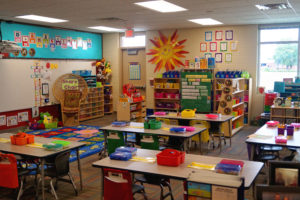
(124, 14)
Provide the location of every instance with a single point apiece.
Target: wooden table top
(182, 172)
(202, 117)
(133, 128)
(266, 135)
(34, 151)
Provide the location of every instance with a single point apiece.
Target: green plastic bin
(114, 140)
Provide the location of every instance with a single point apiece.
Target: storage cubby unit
(131, 111)
(167, 94)
(285, 115)
(108, 99)
(229, 100)
(93, 106)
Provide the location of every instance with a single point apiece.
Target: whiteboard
(17, 86)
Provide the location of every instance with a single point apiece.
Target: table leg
(101, 184)
(79, 168)
(252, 152)
(43, 177)
(185, 145)
(220, 140)
(105, 142)
(200, 145)
(230, 130)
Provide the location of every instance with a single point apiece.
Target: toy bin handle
(172, 152)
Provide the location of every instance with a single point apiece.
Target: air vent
(274, 6)
(111, 19)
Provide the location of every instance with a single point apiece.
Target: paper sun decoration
(167, 52)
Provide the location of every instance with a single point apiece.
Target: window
(136, 41)
(278, 54)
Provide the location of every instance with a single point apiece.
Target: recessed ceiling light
(274, 6)
(161, 6)
(205, 21)
(105, 28)
(42, 18)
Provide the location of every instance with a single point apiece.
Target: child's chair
(118, 185)
(10, 175)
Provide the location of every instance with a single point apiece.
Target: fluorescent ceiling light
(205, 21)
(161, 6)
(105, 28)
(42, 18)
(274, 6)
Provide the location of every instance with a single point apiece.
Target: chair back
(71, 100)
(62, 164)
(117, 184)
(8, 171)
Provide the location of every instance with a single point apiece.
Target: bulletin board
(196, 90)
(51, 43)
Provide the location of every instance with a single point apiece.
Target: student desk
(39, 153)
(202, 117)
(132, 128)
(266, 136)
(182, 172)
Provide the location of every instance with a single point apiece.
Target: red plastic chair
(118, 185)
(10, 175)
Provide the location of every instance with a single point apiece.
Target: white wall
(17, 86)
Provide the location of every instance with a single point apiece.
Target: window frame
(259, 43)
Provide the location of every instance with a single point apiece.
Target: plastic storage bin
(131, 150)
(228, 169)
(170, 157)
(118, 155)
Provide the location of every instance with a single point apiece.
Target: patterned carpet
(89, 135)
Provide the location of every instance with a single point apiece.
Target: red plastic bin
(170, 157)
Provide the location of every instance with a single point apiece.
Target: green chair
(149, 141)
(114, 140)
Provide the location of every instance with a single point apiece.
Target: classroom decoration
(12, 120)
(167, 52)
(2, 120)
(103, 70)
(229, 35)
(196, 90)
(134, 71)
(51, 43)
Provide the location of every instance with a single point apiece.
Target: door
(134, 68)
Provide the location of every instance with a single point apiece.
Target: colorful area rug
(90, 135)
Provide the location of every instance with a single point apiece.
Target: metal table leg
(43, 177)
(79, 168)
(101, 184)
(200, 145)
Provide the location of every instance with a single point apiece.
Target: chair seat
(152, 179)
(266, 157)
(271, 148)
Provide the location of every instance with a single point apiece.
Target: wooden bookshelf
(93, 106)
(235, 103)
(285, 115)
(167, 88)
